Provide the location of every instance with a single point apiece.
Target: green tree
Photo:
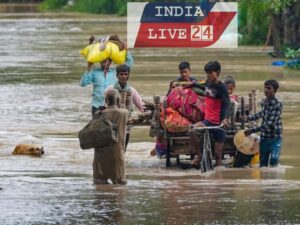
(285, 24)
(274, 21)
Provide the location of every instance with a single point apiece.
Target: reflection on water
(41, 102)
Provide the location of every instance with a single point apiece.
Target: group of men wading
(110, 84)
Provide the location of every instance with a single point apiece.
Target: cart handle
(191, 127)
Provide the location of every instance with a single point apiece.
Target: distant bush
(52, 4)
(103, 6)
(89, 6)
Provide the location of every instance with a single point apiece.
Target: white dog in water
(28, 149)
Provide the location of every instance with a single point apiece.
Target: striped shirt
(271, 124)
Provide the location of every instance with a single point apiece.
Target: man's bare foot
(196, 160)
(119, 181)
(153, 152)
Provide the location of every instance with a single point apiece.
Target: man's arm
(137, 100)
(226, 105)
(129, 60)
(273, 117)
(255, 116)
(87, 78)
(225, 108)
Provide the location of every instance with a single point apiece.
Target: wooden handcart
(179, 144)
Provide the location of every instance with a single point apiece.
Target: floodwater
(42, 102)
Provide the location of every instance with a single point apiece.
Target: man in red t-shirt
(217, 108)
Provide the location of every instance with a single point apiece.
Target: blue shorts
(219, 134)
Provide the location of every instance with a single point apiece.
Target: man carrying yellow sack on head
(101, 78)
(110, 47)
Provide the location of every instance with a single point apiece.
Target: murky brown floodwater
(41, 102)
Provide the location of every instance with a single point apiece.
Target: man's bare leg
(195, 143)
(218, 153)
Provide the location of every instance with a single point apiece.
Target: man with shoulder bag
(109, 159)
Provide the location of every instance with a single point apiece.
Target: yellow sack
(85, 52)
(93, 54)
(117, 56)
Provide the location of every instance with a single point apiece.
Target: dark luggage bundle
(98, 133)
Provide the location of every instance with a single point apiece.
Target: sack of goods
(108, 48)
(98, 133)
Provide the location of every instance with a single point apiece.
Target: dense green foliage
(103, 6)
(90, 6)
(254, 21)
(278, 5)
(20, 1)
(52, 4)
(292, 53)
(255, 17)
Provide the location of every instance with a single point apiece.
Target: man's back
(119, 117)
(100, 82)
(109, 161)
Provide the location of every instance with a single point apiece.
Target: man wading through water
(217, 110)
(109, 161)
(101, 78)
(128, 94)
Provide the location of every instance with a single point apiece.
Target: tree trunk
(277, 33)
(291, 26)
(286, 28)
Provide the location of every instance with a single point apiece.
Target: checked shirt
(271, 124)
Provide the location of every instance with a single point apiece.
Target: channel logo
(166, 24)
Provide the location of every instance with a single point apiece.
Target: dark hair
(229, 80)
(184, 65)
(123, 68)
(212, 66)
(273, 83)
